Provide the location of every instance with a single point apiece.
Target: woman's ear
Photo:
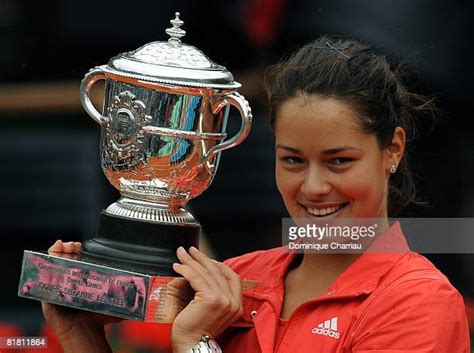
(395, 150)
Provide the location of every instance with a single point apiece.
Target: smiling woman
(342, 117)
(327, 165)
(359, 90)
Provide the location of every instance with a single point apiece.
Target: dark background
(51, 185)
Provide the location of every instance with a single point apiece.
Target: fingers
(56, 247)
(213, 271)
(46, 307)
(204, 266)
(235, 283)
(192, 271)
(214, 280)
(197, 281)
(65, 248)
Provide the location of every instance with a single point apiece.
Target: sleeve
(416, 316)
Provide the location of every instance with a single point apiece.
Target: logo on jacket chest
(327, 328)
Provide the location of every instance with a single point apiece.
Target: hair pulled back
(360, 76)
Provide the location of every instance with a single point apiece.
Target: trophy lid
(172, 62)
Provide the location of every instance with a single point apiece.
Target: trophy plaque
(162, 130)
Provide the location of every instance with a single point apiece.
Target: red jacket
(382, 303)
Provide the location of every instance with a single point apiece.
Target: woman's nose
(315, 183)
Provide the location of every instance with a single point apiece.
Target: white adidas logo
(327, 328)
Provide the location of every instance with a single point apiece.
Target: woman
(341, 116)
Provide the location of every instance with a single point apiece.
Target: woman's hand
(217, 302)
(76, 330)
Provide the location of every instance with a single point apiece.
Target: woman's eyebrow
(287, 148)
(329, 151)
(340, 149)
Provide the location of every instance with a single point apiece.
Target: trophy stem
(143, 242)
(151, 212)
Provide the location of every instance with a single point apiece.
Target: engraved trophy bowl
(162, 130)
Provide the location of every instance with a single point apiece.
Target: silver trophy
(162, 130)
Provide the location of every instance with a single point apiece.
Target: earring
(393, 168)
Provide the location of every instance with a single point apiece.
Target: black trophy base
(138, 246)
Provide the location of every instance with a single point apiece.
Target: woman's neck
(310, 277)
(325, 265)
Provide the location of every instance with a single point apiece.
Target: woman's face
(326, 165)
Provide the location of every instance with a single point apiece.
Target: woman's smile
(325, 211)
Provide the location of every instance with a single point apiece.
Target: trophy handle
(88, 81)
(238, 101)
(188, 135)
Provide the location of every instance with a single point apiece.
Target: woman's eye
(341, 160)
(291, 160)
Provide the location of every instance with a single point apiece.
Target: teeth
(323, 211)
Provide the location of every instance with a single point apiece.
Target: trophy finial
(176, 32)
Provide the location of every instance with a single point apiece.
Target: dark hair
(357, 74)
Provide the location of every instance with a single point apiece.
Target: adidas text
(325, 332)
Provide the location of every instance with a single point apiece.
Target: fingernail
(181, 250)
(176, 265)
(57, 242)
(193, 249)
